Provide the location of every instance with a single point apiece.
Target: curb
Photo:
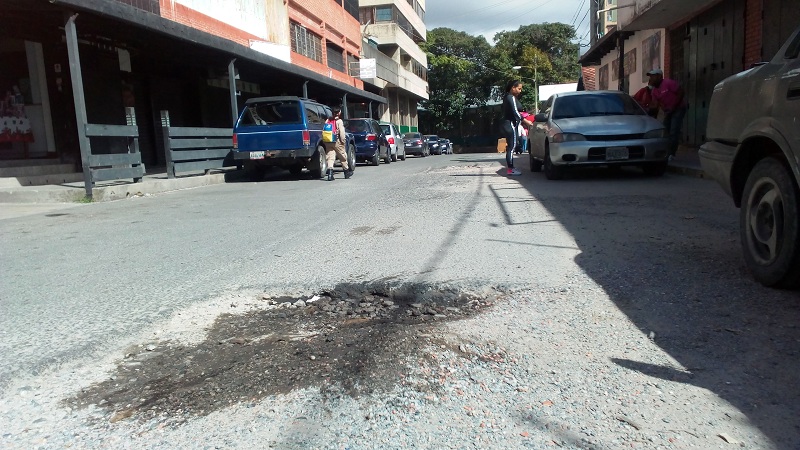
(75, 192)
(687, 171)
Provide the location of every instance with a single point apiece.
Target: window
(351, 6)
(383, 14)
(268, 113)
(335, 58)
(312, 114)
(306, 43)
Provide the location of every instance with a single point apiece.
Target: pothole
(351, 340)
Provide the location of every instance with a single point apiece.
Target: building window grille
(306, 43)
(335, 58)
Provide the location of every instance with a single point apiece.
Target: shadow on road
(671, 262)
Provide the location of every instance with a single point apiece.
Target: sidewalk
(155, 181)
(686, 162)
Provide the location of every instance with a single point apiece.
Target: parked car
(371, 144)
(753, 152)
(395, 140)
(445, 146)
(414, 144)
(433, 144)
(283, 132)
(596, 128)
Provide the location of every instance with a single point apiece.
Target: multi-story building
(196, 60)
(392, 31)
(696, 43)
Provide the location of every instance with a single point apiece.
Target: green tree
(457, 78)
(553, 40)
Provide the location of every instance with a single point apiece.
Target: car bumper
(413, 150)
(716, 159)
(589, 153)
(273, 157)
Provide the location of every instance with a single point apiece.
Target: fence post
(133, 143)
(79, 100)
(167, 146)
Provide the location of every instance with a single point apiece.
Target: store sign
(368, 68)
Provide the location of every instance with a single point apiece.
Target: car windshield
(600, 104)
(268, 113)
(357, 126)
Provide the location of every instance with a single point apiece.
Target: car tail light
(306, 137)
(419, 142)
(235, 142)
(390, 139)
(372, 137)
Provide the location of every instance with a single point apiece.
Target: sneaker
(513, 171)
(348, 174)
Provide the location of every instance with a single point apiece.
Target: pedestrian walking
(338, 148)
(511, 122)
(668, 95)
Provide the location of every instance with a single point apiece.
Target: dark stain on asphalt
(360, 231)
(354, 339)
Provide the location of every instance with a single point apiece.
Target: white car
(395, 140)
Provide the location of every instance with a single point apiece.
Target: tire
(394, 157)
(655, 169)
(769, 225)
(376, 159)
(388, 158)
(351, 157)
(536, 165)
(318, 164)
(403, 158)
(551, 171)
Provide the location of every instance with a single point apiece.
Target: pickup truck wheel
(318, 164)
(551, 171)
(769, 224)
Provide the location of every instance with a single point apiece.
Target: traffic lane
(667, 252)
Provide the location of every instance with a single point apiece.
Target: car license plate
(616, 153)
(256, 155)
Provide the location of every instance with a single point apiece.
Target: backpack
(328, 131)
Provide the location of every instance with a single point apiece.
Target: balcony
(635, 15)
(392, 34)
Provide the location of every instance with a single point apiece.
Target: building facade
(696, 43)
(194, 59)
(392, 32)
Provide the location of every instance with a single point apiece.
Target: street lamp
(535, 86)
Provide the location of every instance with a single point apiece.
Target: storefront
(26, 127)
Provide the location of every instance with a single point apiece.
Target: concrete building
(70, 64)
(697, 43)
(392, 31)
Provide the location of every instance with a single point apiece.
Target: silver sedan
(596, 128)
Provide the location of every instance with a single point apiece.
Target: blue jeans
(673, 121)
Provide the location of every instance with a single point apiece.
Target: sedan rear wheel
(536, 165)
(376, 159)
(769, 224)
(351, 157)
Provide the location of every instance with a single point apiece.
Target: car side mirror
(541, 117)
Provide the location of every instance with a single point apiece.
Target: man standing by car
(668, 95)
(338, 148)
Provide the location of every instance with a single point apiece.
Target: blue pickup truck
(283, 132)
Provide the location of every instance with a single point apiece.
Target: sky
(488, 17)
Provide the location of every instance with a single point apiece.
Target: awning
(186, 42)
(603, 46)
